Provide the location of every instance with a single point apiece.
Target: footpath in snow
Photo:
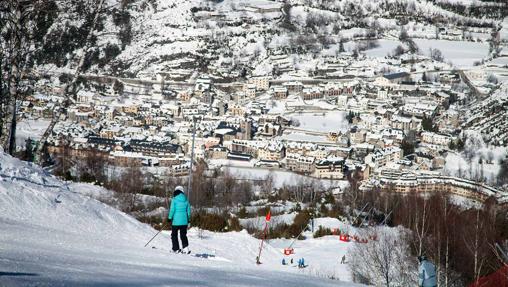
(79, 241)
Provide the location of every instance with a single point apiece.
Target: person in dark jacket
(426, 273)
(179, 214)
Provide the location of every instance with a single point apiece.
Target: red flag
(268, 216)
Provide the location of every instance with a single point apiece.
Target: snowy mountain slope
(175, 36)
(82, 242)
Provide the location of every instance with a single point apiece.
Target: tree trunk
(2, 96)
(447, 246)
(12, 136)
(447, 261)
(8, 139)
(476, 247)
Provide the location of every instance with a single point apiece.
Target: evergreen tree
(460, 145)
(341, 46)
(407, 147)
(452, 145)
(428, 124)
(29, 150)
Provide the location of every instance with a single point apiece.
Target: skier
(301, 263)
(426, 273)
(179, 214)
(283, 261)
(343, 260)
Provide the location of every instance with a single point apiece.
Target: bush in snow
(234, 224)
(209, 221)
(322, 231)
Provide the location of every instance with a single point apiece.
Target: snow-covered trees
(436, 55)
(457, 235)
(385, 262)
(22, 28)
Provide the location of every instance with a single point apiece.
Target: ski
(197, 255)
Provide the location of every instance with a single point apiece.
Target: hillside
(233, 37)
(78, 241)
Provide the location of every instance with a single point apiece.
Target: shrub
(323, 210)
(277, 231)
(87, 177)
(263, 211)
(329, 198)
(242, 213)
(336, 210)
(297, 208)
(302, 218)
(294, 231)
(234, 224)
(209, 221)
(322, 231)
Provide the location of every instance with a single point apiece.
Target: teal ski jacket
(427, 274)
(179, 210)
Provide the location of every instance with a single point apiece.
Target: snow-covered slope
(82, 242)
(142, 37)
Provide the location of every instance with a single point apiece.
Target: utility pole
(189, 184)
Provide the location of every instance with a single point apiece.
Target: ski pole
(155, 235)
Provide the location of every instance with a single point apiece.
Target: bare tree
(127, 188)
(21, 27)
(436, 55)
(384, 262)
(421, 225)
(268, 183)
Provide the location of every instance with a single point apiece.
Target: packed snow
(52, 235)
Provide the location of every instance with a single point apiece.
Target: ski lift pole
(360, 213)
(370, 211)
(386, 217)
(296, 238)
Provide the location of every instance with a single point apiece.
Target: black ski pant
(183, 236)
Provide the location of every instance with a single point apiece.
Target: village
(394, 96)
(254, 142)
(366, 126)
